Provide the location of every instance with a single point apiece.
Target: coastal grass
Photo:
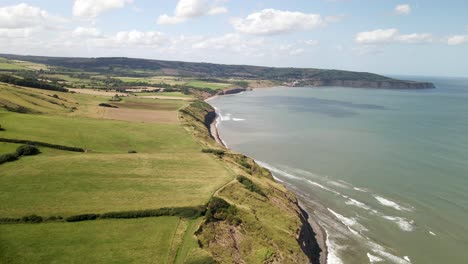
(97, 135)
(144, 240)
(168, 94)
(71, 184)
(210, 85)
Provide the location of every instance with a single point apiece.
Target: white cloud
(457, 40)
(134, 37)
(392, 35)
(86, 32)
(415, 38)
(15, 32)
(403, 9)
(26, 16)
(188, 9)
(377, 36)
(93, 8)
(273, 22)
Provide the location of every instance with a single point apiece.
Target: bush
(35, 219)
(217, 152)
(27, 150)
(8, 157)
(220, 210)
(107, 105)
(245, 164)
(1, 128)
(132, 151)
(82, 217)
(249, 185)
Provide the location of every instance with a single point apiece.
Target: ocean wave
(278, 171)
(339, 184)
(226, 117)
(359, 189)
(374, 259)
(332, 248)
(403, 223)
(357, 203)
(348, 222)
(432, 233)
(323, 187)
(381, 251)
(238, 119)
(392, 204)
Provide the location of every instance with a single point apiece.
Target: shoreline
(319, 234)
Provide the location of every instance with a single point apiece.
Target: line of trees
(31, 82)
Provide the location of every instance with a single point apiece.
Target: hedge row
(185, 212)
(249, 185)
(24, 150)
(30, 219)
(43, 144)
(217, 152)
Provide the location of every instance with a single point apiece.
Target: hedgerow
(43, 144)
(249, 185)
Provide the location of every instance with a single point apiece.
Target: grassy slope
(270, 225)
(168, 170)
(145, 240)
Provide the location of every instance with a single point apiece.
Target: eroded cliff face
(368, 84)
(272, 227)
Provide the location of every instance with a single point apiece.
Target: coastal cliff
(270, 226)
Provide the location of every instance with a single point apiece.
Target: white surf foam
(374, 259)
(380, 250)
(407, 258)
(359, 189)
(432, 233)
(338, 184)
(323, 187)
(348, 222)
(403, 223)
(226, 117)
(332, 248)
(278, 171)
(238, 119)
(392, 204)
(357, 203)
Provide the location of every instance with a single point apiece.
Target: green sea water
(385, 172)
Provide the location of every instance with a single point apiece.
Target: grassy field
(169, 94)
(210, 85)
(146, 240)
(153, 80)
(107, 178)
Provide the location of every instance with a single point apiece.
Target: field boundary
(43, 144)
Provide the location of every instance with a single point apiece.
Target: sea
(383, 172)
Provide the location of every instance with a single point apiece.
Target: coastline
(312, 234)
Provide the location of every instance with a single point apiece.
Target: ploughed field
(129, 164)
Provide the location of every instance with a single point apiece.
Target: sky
(382, 36)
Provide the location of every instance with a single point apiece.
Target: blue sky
(386, 37)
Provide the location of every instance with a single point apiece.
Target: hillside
(138, 180)
(289, 76)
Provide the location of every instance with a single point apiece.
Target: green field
(145, 240)
(210, 85)
(169, 94)
(107, 178)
